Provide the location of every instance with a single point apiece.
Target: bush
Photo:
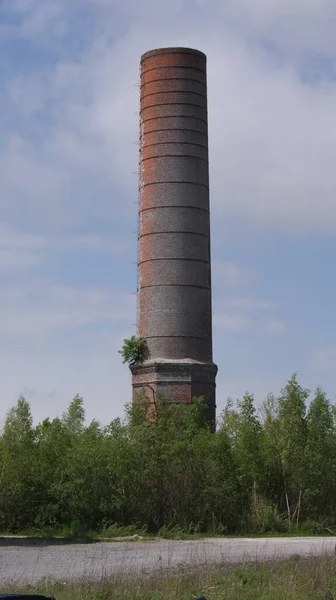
(134, 350)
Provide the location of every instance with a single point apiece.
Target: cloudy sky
(68, 189)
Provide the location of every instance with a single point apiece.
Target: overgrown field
(268, 470)
(293, 579)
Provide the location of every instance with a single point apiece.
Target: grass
(293, 579)
(112, 532)
(271, 526)
(175, 534)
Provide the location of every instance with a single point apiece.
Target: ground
(24, 561)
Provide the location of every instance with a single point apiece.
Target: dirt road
(23, 561)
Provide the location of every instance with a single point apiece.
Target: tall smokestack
(174, 275)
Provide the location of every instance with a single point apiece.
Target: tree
(320, 457)
(262, 473)
(74, 417)
(18, 464)
(245, 432)
(292, 438)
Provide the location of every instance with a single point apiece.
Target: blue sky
(68, 191)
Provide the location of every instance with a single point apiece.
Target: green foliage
(320, 457)
(134, 350)
(292, 440)
(114, 530)
(268, 472)
(171, 532)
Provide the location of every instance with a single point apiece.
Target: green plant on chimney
(134, 350)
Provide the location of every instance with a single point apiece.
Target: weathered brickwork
(177, 382)
(174, 283)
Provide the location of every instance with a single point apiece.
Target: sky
(69, 95)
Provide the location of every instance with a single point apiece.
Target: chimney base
(179, 381)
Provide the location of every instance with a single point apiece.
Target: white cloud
(38, 17)
(260, 388)
(227, 275)
(248, 304)
(50, 383)
(275, 326)
(57, 341)
(9, 259)
(297, 26)
(47, 15)
(41, 308)
(324, 359)
(227, 322)
(238, 314)
(30, 187)
(272, 136)
(20, 250)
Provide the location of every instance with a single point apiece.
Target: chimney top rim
(172, 50)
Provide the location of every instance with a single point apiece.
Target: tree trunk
(288, 508)
(299, 508)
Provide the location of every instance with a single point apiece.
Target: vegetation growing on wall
(134, 350)
(272, 469)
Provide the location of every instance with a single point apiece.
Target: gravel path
(26, 562)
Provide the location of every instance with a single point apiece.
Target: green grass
(293, 579)
(111, 532)
(134, 533)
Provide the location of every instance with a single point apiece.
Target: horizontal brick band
(173, 143)
(178, 114)
(196, 260)
(157, 156)
(206, 210)
(173, 122)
